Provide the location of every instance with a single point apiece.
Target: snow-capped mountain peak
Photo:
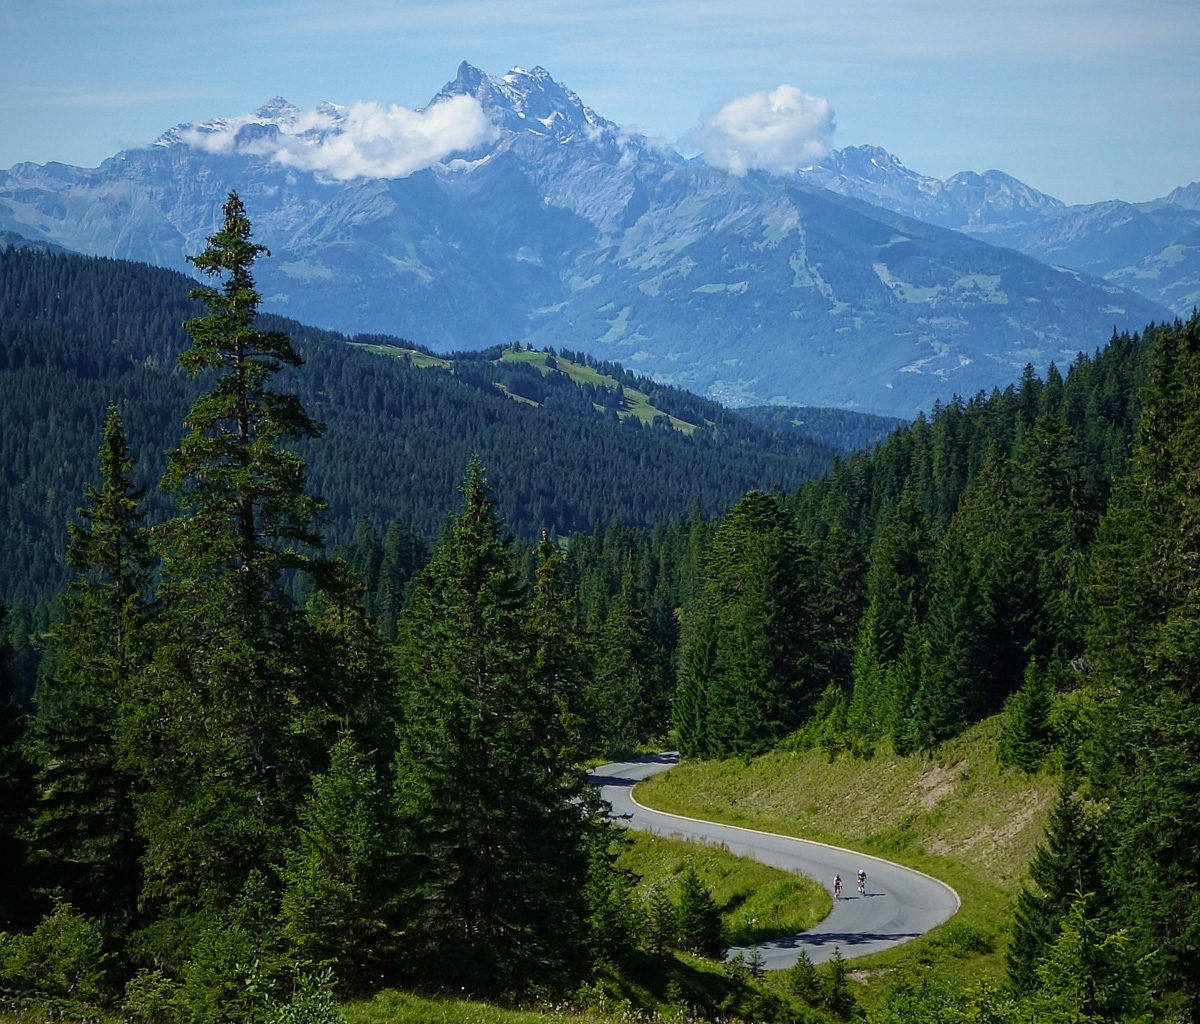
(277, 110)
(965, 199)
(526, 101)
(276, 113)
(506, 209)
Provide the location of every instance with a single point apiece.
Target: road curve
(900, 903)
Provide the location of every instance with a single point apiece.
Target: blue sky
(1084, 99)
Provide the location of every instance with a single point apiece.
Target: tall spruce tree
(350, 657)
(83, 828)
(1055, 518)
(697, 664)
(1144, 651)
(560, 658)
(231, 721)
(1067, 862)
(341, 902)
(836, 599)
(628, 699)
(897, 582)
(977, 628)
(743, 659)
(404, 555)
(16, 795)
(487, 808)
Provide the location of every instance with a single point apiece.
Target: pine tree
(754, 619)
(1088, 973)
(836, 995)
(953, 654)
(662, 920)
(1144, 652)
(1025, 737)
(979, 619)
(1068, 861)
(487, 807)
(16, 797)
(897, 582)
(560, 659)
(248, 514)
(697, 664)
(83, 827)
(628, 699)
(1055, 518)
(365, 557)
(232, 720)
(612, 925)
(350, 657)
(341, 886)
(803, 981)
(698, 926)
(836, 601)
(404, 555)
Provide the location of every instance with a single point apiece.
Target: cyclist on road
(837, 887)
(862, 882)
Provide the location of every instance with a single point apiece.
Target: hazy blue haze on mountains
(567, 231)
(1152, 248)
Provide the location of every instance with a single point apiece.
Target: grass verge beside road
(757, 902)
(955, 814)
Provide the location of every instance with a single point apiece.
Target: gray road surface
(900, 903)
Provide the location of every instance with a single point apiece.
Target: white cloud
(362, 140)
(773, 131)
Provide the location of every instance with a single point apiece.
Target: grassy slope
(956, 815)
(421, 359)
(403, 1008)
(637, 404)
(757, 902)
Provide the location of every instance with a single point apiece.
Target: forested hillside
(247, 755)
(844, 429)
(1029, 552)
(77, 333)
(225, 796)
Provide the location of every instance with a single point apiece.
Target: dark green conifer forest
(286, 730)
(222, 784)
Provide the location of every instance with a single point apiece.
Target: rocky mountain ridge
(1152, 248)
(533, 218)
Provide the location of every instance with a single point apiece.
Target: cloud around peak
(777, 131)
(362, 140)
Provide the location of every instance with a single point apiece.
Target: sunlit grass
(956, 815)
(419, 359)
(757, 902)
(637, 403)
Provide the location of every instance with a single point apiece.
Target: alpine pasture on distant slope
(555, 226)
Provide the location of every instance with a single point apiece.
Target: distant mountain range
(1151, 248)
(551, 225)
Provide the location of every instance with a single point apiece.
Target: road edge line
(798, 839)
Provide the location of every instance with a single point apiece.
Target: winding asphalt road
(900, 903)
